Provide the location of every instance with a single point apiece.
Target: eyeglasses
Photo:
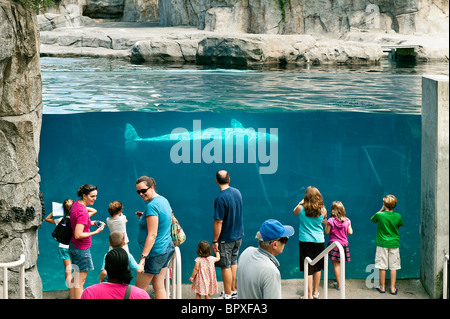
(142, 191)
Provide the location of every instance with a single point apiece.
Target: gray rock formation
(319, 17)
(20, 125)
(75, 13)
(346, 31)
(178, 44)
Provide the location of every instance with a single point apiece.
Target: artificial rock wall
(319, 17)
(20, 125)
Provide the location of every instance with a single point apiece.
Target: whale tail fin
(130, 133)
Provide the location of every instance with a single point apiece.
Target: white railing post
(305, 272)
(325, 277)
(445, 277)
(19, 263)
(175, 267)
(324, 254)
(167, 285)
(342, 273)
(178, 272)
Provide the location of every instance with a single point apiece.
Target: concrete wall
(434, 227)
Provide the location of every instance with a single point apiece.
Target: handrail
(324, 254)
(445, 277)
(175, 267)
(19, 263)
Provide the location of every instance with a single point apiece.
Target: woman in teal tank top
(311, 212)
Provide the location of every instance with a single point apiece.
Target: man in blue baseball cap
(257, 274)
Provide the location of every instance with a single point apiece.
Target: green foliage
(281, 4)
(38, 4)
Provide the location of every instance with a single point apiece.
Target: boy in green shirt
(387, 241)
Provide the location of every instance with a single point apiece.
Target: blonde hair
(390, 201)
(338, 211)
(313, 202)
(67, 205)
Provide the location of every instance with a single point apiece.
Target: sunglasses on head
(142, 191)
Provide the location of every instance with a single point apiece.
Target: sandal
(336, 286)
(316, 296)
(393, 293)
(380, 291)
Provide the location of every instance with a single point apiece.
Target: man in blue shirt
(228, 231)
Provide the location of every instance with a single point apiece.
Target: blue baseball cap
(272, 229)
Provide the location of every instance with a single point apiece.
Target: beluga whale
(222, 144)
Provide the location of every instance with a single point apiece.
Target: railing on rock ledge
(20, 263)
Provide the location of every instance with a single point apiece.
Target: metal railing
(20, 263)
(175, 269)
(324, 254)
(445, 277)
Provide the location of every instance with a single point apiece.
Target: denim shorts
(154, 265)
(81, 258)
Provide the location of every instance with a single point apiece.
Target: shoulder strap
(127, 292)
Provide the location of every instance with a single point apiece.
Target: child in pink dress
(338, 226)
(203, 278)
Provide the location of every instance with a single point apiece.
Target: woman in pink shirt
(338, 226)
(79, 247)
(119, 278)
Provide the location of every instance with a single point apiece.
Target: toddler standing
(117, 221)
(338, 226)
(388, 241)
(203, 278)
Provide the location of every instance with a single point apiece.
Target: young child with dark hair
(203, 278)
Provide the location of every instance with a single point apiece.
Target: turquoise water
(354, 135)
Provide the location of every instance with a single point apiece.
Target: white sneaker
(224, 296)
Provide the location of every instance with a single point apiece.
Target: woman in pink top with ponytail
(79, 247)
(338, 226)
